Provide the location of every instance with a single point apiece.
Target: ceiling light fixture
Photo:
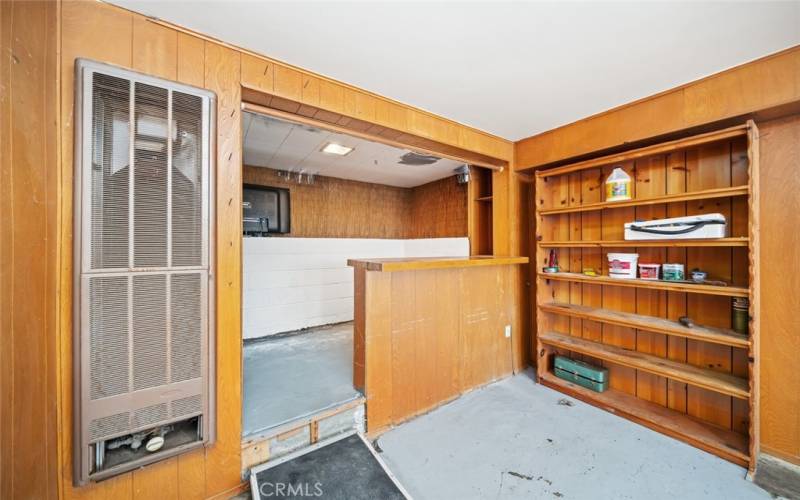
(336, 149)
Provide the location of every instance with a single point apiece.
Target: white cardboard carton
(693, 227)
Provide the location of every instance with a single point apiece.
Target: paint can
(740, 315)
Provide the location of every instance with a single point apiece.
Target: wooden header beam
(292, 117)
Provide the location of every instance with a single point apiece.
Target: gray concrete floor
(290, 376)
(513, 439)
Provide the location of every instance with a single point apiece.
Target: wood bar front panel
(431, 335)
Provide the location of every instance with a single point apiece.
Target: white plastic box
(704, 226)
(622, 265)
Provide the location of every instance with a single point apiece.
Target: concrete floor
(513, 439)
(289, 376)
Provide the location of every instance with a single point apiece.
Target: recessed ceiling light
(336, 149)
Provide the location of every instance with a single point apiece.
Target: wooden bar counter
(429, 329)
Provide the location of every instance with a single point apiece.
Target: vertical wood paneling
(378, 331)
(258, 73)
(288, 83)
(651, 180)
(780, 323)
(431, 335)
(156, 481)
(310, 92)
(191, 60)
(709, 167)
(28, 251)
(615, 297)
(341, 208)
(156, 49)
(222, 70)
(191, 481)
(676, 301)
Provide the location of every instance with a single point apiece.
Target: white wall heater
(143, 323)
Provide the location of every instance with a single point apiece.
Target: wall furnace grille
(144, 350)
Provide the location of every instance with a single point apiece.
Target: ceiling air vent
(412, 158)
(143, 346)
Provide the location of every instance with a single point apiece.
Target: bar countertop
(414, 263)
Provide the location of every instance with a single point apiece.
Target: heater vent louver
(108, 336)
(143, 318)
(149, 331)
(149, 415)
(109, 426)
(186, 406)
(185, 296)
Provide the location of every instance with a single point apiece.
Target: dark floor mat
(344, 469)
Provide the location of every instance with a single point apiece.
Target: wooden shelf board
(742, 241)
(664, 147)
(484, 198)
(723, 383)
(729, 291)
(721, 442)
(669, 198)
(649, 323)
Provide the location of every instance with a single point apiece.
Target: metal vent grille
(149, 331)
(187, 181)
(187, 406)
(108, 336)
(149, 415)
(109, 426)
(143, 215)
(187, 344)
(110, 172)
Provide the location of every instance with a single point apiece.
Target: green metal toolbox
(583, 374)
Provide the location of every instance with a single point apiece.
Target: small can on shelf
(649, 271)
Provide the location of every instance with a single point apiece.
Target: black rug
(345, 469)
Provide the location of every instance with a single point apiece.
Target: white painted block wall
(294, 283)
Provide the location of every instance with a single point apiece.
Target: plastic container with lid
(649, 271)
(622, 265)
(618, 185)
(672, 272)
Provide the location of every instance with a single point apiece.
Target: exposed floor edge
(778, 476)
(303, 420)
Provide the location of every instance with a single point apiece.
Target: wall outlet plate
(508, 331)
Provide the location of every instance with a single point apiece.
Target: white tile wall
(294, 283)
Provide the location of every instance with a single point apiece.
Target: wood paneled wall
(426, 336)
(772, 81)
(340, 208)
(28, 250)
(438, 210)
(40, 42)
(780, 281)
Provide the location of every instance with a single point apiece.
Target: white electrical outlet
(508, 331)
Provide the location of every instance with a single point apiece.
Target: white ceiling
(510, 68)
(282, 145)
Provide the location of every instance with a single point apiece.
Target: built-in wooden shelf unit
(698, 384)
(481, 208)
